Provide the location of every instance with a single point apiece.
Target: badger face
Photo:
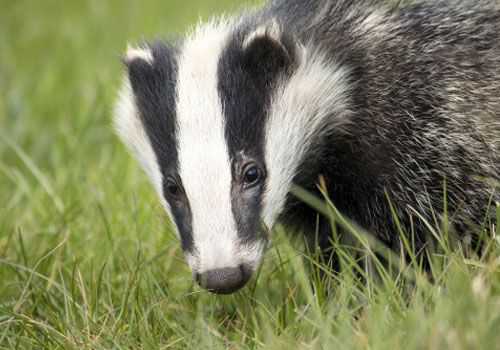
(220, 124)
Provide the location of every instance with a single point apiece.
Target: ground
(87, 257)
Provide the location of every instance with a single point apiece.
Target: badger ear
(140, 53)
(267, 50)
(151, 70)
(151, 76)
(141, 66)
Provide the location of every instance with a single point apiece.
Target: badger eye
(172, 189)
(252, 175)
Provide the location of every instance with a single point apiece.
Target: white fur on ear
(141, 53)
(271, 30)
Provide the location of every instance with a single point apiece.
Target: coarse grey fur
(408, 119)
(425, 109)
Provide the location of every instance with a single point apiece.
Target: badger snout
(224, 281)
(225, 268)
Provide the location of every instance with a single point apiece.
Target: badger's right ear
(152, 73)
(142, 69)
(135, 54)
(130, 116)
(145, 113)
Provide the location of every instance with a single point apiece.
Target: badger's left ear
(268, 50)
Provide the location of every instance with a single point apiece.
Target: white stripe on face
(204, 164)
(310, 104)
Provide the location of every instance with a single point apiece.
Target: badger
(396, 107)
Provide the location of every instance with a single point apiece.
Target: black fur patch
(154, 86)
(247, 76)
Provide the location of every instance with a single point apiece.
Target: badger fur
(394, 106)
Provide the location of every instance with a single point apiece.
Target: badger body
(397, 108)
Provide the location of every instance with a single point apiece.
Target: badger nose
(224, 281)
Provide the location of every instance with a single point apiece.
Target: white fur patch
(313, 102)
(141, 53)
(374, 26)
(204, 164)
(251, 255)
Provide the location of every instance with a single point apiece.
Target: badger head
(221, 124)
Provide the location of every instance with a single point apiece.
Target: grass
(87, 259)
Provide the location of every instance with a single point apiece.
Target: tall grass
(87, 257)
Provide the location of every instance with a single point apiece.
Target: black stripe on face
(154, 87)
(247, 75)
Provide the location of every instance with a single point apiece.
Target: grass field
(87, 260)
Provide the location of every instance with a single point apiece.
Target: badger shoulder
(421, 92)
